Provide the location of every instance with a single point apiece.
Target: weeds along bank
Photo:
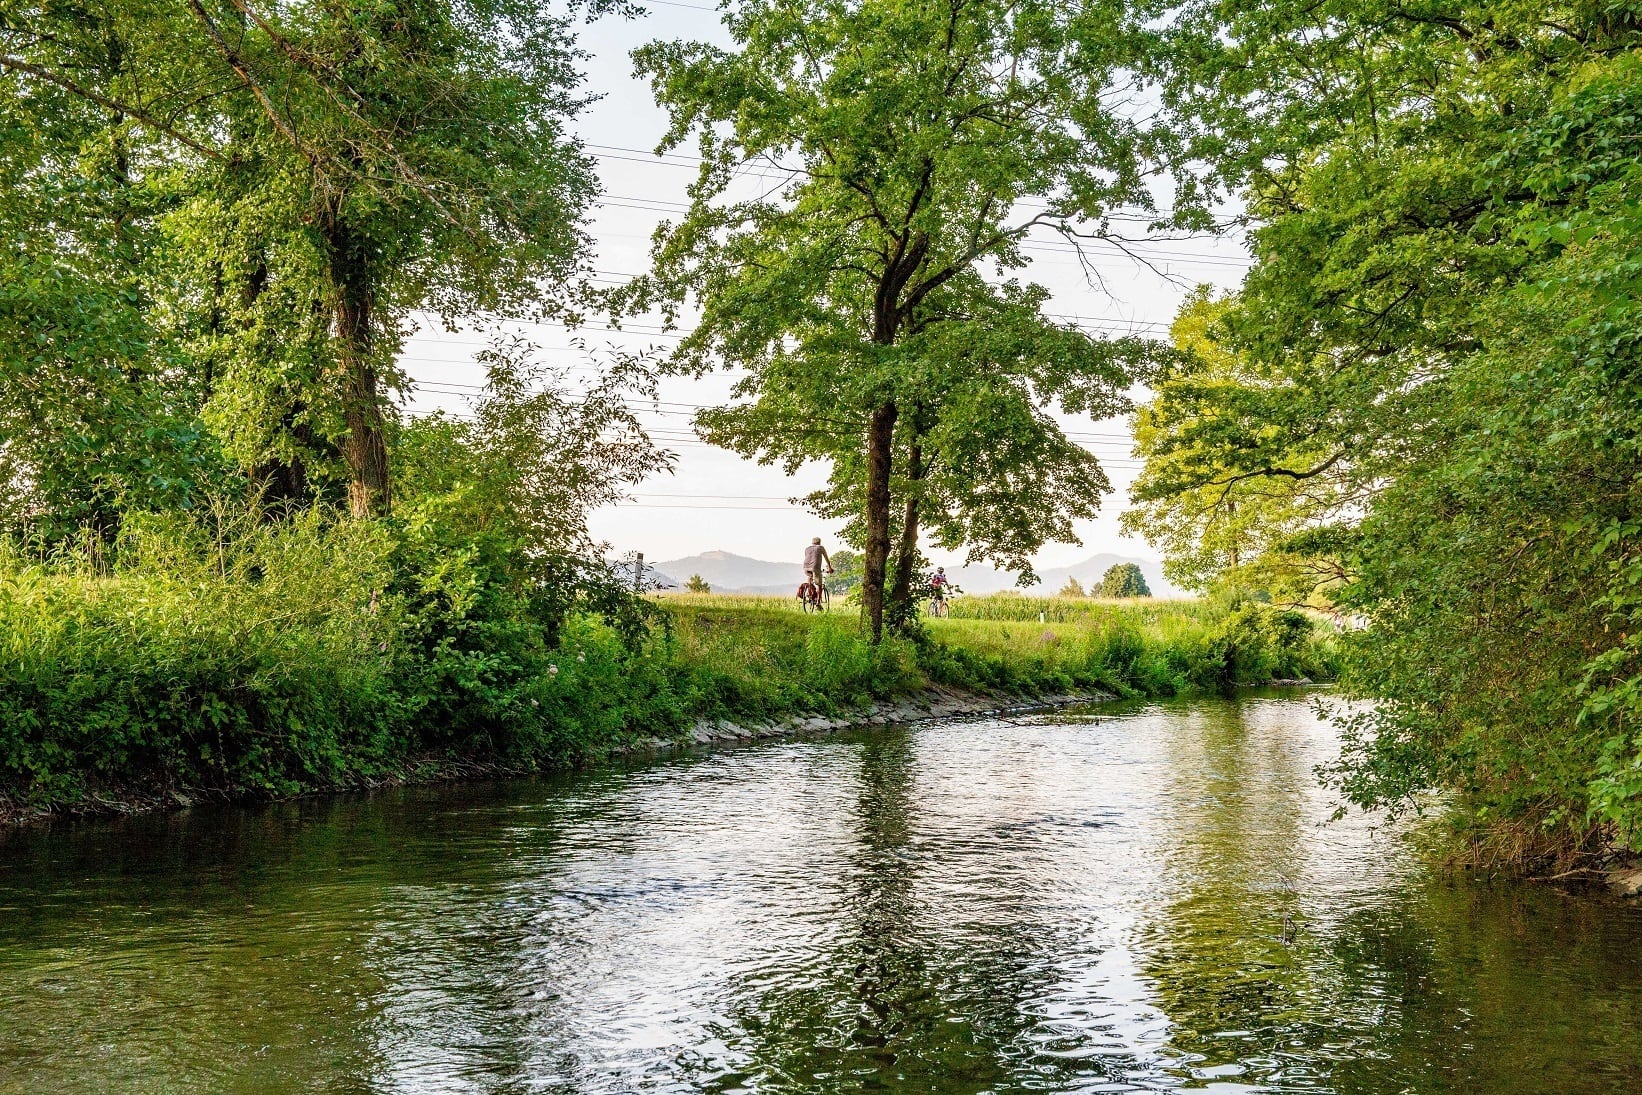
(302, 655)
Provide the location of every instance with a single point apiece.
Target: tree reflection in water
(1088, 902)
(1392, 981)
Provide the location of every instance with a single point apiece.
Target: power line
(676, 4)
(1128, 249)
(684, 159)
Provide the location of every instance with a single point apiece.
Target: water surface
(1132, 899)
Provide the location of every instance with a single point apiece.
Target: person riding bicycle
(939, 585)
(816, 558)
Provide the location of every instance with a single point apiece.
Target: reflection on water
(1097, 901)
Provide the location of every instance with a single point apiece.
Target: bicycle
(940, 602)
(814, 598)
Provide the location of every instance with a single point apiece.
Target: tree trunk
(906, 557)
(281, 483)
(364, 449)
(880, 436)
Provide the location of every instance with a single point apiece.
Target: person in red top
(939, 585)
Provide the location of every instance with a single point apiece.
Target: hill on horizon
(728, 572)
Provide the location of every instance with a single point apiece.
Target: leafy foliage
(1424, 395)
(234, 207)
(920, 142)
(1219, 517)
(1124, 580)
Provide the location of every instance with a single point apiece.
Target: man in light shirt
(815, 560)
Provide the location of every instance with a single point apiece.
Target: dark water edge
(1146, 897)
(113, 802)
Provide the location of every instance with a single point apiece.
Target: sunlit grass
(1008, 643)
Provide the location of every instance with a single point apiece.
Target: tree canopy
(1424, 391)
(274, 189)
(1124, 580)
(917, 145)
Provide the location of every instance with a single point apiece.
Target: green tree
(846, 576)
(918, 144)
(95, 412)
(1072, 588)
(1435, 373)
(1124, 580)
(425, 145)
(698, 584)
(1218, 520)
(341, 165)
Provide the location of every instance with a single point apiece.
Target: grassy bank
(302, 656)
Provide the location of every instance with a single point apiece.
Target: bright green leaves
(265, 193)
(917, 144)
(1443, 320)
(1232, 470)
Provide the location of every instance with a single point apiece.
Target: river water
(1107, 899)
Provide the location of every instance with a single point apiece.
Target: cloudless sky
(714, 499)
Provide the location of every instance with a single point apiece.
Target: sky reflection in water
(1093, 901)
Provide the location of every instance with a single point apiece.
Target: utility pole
(638, 572)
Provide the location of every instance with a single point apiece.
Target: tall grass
(216, 652)
(1128, 647)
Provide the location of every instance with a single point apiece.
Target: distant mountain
(730, 573)
(651, 578)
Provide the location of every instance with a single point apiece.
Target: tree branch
(17, 64)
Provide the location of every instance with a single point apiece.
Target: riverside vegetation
(227, 654)
(220, 220)
(233, 564)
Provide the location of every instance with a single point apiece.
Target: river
(1103, 899)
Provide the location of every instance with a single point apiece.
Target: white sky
(715, 499)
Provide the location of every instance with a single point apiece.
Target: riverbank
(149, 689)
(935, 702)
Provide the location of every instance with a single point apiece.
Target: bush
(234, 653)
(216, 654)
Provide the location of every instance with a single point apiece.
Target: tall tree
(1435, 365)
(427, 142)
(1215, 520)
(348, 162)
(914, 146)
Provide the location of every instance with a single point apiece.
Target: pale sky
(715, 499)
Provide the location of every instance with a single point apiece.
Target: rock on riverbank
(936, 703)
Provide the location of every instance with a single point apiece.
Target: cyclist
(939, 584)
(815, 559)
